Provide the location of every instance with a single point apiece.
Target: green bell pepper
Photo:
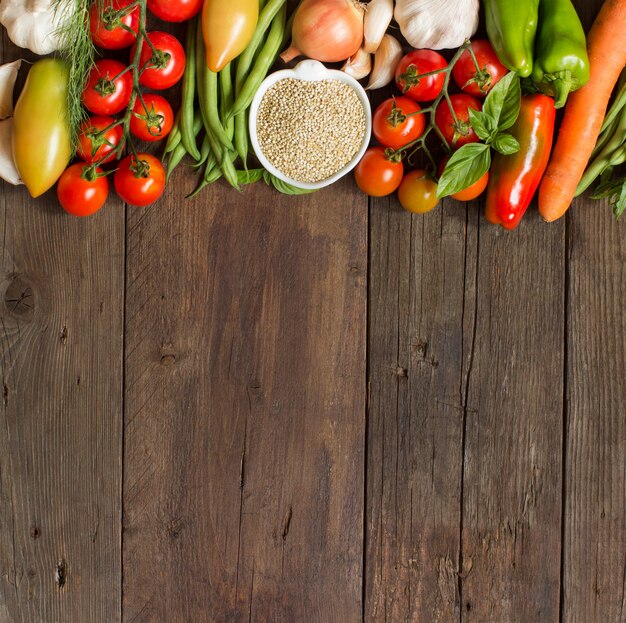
(511, 26)
(561, 63)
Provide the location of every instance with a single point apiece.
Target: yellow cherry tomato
(227, 27)
(42, 143)
(418, 192)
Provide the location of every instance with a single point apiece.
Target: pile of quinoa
(309, 130)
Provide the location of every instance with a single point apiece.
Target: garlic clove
(8, 75)
(378, 15)
(386, 60)
(358, 65)
(8, 170)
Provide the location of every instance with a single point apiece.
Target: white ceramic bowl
(312, 71)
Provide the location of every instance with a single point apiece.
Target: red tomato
(376, 175)
(458, 132)
(471, 192)
(175, 10)
(154, 121)
(109, 26)
(164, 68)
(140, 179)
(421, 62)
(95, 142)
(479, 82)
(397, 122)
(82, 189)
(105, 93)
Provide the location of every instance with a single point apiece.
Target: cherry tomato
(471, 192)
(376, 175)
(95, 144)
(458, 132)
(175, 10)
(418, 192)
(164, 68)
(421, 62)
(140, 179)
(107, 25)
(104, 93)
(479, 82)
(82, 189)
(154, 121)
(397, 122)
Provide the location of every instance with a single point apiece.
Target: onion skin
(326, 30)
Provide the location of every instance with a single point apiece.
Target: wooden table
(249, 407)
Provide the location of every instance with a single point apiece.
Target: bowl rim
(310, 71)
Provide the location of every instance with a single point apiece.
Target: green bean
(174, 159)
(189, 91)
(262, 66)
(226, 99)
(174, 137)
(241, 137)
(247, 56)
(205, 150)
(603, 159)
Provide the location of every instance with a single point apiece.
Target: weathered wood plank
(61, 319)
(415, 415)
(243, 480)
(594, 528)
(513, 428)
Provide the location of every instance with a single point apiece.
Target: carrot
(585, 111)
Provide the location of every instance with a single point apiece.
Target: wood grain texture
(245, 361)
(512, 465)
(415, 416)
(61, 317)
(594, 542)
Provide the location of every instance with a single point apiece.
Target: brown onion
(326, 30)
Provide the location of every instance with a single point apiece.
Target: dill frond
(77, 48)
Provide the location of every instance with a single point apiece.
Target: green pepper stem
(562, 87)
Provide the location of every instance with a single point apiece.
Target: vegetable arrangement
(483, 117)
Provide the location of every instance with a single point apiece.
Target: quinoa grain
(309, 130)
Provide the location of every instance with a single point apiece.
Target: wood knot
(168, 360)
(35, 533)
(19, 299)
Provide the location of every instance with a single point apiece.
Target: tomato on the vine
(163, 68)
(108, 90)
(154, 121)
(459, 132)
(480, 81)
(418, 192)
(376, 175)
(421, 62)
(397, 121)
(139, 179)
(109, 26)
(82, 189)
(471, 192)
(175, 10)
(97, 140)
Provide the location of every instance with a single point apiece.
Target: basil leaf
(502, 103)
(284, 187)
(249, 176)
(465, 167)
(505, 143)
(483, 124)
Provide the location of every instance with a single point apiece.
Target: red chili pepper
(514, 179)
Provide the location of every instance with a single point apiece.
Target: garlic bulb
(8, 74)
(386, 60)
(378, 14)
(358, 65)
(437, 24)
(33, 24)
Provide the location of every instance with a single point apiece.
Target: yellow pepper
(42, 143)
(227, 27)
